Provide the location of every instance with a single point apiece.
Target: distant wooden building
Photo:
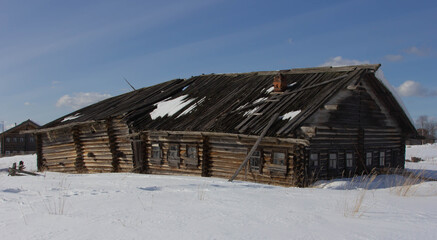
(12, 142)
(293, 126)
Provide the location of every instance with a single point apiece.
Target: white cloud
(81, 99)
(414, 89)
(27, 104)
(394, 58)
(417, 51)
(340, 61)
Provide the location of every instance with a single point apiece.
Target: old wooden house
(13, 142)
(286, 127)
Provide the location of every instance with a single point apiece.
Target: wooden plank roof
(239, 103)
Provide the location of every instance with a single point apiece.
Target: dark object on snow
(416, 159)
(13, 171)
(21, 166)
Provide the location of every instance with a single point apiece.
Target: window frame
(258, 159)
(382, 157)
(170, 150)
(314, 163)
(331, 161)
(285, 157)
(369, 158)
(351, 165)
(156, 148)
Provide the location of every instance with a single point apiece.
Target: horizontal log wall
(123, 145)
(183, 142)
(58, 151)
(93, 147)
(228, 153)
(97, 156)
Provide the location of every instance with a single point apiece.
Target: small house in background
(13, 142)
(288, 127)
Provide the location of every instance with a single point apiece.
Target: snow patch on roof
(170, 106)
(380, 76)
(291, 84)
(260, 100)
(71, 117)
(251, 111)
(192, 107)
(291, 115)
(269, 90)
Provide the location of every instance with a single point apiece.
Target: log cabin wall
(87, 148)
(228, 153)
(169, 154)
(353, 133)
(122, 146)
(94, 140)
(220, 156)
(58, 151)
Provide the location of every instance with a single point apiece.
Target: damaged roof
(240, 103)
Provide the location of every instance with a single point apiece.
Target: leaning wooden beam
(218, 134)
(272, 120)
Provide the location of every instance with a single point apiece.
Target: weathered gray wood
(272, 120)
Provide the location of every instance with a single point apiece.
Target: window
(333, 160)
(8, 139)
(173, 152)
(314, 159)
(382, 158)
(31, 139)
(7, 153)
(255, 161)
(369, 159)
(349, 160)
(21, 139)
(15, 139)
(192, 152)
(156, 151)
(279, 158)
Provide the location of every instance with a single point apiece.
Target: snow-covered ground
(427, 152)
(136, 206)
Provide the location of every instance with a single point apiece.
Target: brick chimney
(279, 83)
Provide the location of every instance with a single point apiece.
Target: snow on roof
(71, 117)
(170, 106)
(379, 74)
(192, 107)
(291, 115)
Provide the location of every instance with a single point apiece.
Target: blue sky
(56, 56)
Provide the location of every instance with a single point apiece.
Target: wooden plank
(272, 120)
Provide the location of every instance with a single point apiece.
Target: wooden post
(258, 141)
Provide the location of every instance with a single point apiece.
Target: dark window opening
(173, 152)
(369, 159)
(192, 152)
(349, 160)
(279, 158)
(382, 158)
(314, 159)
(255, 161)
(156, 151)
(333, 160)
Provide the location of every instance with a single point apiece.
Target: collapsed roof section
(240, 103)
